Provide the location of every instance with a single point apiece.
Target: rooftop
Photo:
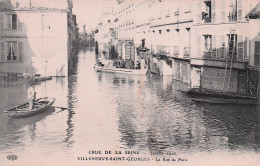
(32, 9)
(255, 13)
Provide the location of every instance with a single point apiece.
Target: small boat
(22, 110)
(98, 68)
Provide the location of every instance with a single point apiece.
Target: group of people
(129, 64)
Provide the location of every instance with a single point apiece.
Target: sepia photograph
(129, 82)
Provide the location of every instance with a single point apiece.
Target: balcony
(186, 52)
(232, 17)
(206, 17)
(164, 50)
(207, 54)
(152, 49)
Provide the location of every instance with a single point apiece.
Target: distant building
(36, 40)
(126, 29)
(103, 35)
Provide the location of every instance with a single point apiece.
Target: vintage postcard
(129, 82)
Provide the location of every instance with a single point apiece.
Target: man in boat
(31, 97)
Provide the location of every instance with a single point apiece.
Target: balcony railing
(152, 49)
(176, 51)
(206, 18)
(186, 52)
(232, 17)
(165, 50)
(207, 54)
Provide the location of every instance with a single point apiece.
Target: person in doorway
(31, 97)
(100, 61)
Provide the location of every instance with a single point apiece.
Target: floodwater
(108, 111)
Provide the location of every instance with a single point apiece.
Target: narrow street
(118, 111)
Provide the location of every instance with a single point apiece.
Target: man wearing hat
(31, 97)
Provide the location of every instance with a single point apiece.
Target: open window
(207, 46)
(11, 21)
(206, 12)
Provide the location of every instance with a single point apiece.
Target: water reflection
(72, 102)
(110, 111)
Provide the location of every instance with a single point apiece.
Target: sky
(88, 11)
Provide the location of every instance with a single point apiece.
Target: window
(11, 51)
(206, 14)
(257, 53)
(11, 21)
(232, 48)
(208, 43)
(207, 46)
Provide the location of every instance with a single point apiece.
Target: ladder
(231, 51)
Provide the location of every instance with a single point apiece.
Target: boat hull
(120, 70)
(23, 111)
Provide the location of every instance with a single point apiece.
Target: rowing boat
(22, 110)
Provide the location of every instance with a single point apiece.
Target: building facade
(221, 46)
(211, 46)
(36, 40)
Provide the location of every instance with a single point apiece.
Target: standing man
(31, 97)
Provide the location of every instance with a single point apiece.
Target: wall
(44, 41)
(213, 79)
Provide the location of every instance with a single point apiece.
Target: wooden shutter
(239, 10)
(221, 50)
(213, 11)
(8, 21)
(19, 24)
(214, 47)
(246, 56)
(199, 7)
(223, 11)
(199, 46)
(2, 21)
(240, 47)
(20, 51)
(3, 51)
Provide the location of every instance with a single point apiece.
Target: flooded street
(117, 112)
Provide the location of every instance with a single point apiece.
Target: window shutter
(245, 48)
(199, 11)
(221, 51)
(199, 46)
(213, 11)
(20, 51)
(214, 47)
(239, 10)
(8, 21)
(240, 47)
(3, 51)
(223, 11)
(19, 23)
(2, 21)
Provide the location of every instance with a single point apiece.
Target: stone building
(36, 40)
(221, 47)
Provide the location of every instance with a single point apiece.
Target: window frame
(15, 43)
(7, 15)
